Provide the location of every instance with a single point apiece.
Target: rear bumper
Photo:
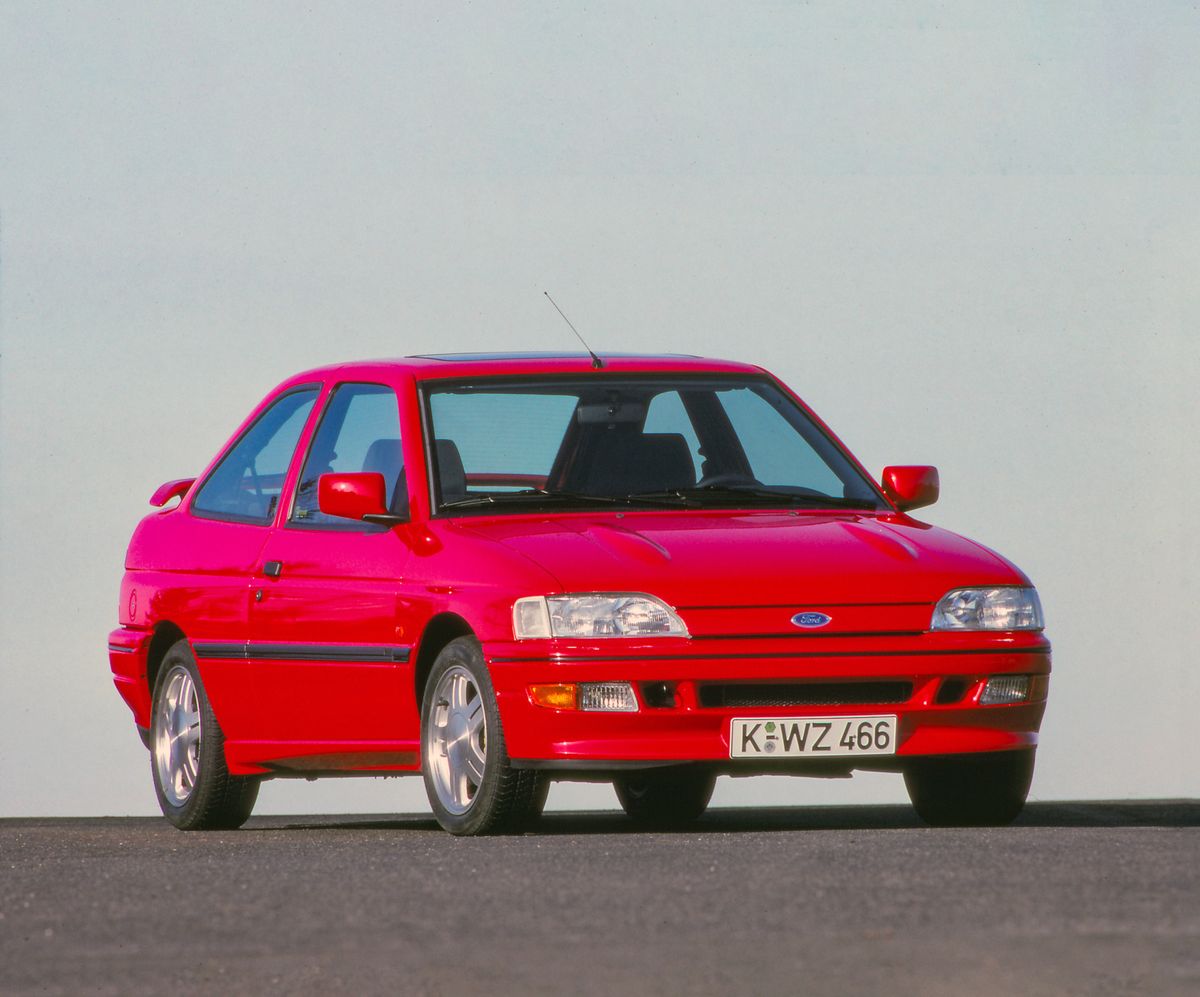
(127, 653)
(687, 731)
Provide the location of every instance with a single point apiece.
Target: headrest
(385, 457)
(665, 461)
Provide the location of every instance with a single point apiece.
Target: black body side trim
(211, 649)
(122, 649)
(324, 652)
(303, 652)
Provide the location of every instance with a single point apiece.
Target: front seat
(650, 462)
(452, 479)
(385, 457)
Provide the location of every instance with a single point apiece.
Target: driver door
(330, 630)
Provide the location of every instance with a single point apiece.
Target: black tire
(495, 797)
(665, 797)
(193, 785)
(985, 790)
(537, 799)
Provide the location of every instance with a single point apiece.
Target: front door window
(359, 431)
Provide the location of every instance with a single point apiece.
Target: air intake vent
(741, 694)
(951, 691)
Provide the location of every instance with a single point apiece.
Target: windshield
(729, 442)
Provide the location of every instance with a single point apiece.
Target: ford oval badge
(810, 621)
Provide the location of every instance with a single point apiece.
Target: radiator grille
(726, 694)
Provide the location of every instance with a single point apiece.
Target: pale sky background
(968, 234)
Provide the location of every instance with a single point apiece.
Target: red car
(498, 570)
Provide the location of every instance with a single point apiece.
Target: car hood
(710, 559)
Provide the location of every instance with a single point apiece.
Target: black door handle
(273, 569)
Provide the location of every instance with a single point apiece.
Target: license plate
(816, 737)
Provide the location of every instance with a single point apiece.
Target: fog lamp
(609, 697)
(1002, 689)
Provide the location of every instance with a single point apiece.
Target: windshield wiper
(542, 496)
(675, 498)
(530, 497)
(739, 493)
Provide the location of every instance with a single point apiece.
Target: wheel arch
(166, 635)
(438, 632)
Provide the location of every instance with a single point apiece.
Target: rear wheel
(665, 797)
(472, 787)
(187, 751)
(970, 790)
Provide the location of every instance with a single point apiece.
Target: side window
(245, 485)
(359, 431)
(667, 415)
(777, 456)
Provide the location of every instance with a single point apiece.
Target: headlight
(1007, 608)
(601, 614)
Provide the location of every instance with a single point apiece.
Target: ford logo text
(810, 621)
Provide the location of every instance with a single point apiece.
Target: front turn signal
(560, 696)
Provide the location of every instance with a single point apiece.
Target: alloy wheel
(456, 748)
(177, 735)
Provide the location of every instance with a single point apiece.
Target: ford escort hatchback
(500, 570)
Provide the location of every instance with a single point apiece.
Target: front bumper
(689, 731)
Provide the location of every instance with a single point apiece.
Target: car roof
(458, 365)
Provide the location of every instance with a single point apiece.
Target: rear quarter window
(245, 486)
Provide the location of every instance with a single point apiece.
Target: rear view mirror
(911, 486)
(361, 496)
(610, 412)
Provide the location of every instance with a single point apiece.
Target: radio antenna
(597, 363)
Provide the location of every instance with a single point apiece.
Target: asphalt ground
(1076, 898)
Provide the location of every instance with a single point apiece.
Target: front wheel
(665, 797)
(187, 750)
(970, 790)
(472, 787)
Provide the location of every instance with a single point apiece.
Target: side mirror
(172, 489)
(911, 487)
(360, 496)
